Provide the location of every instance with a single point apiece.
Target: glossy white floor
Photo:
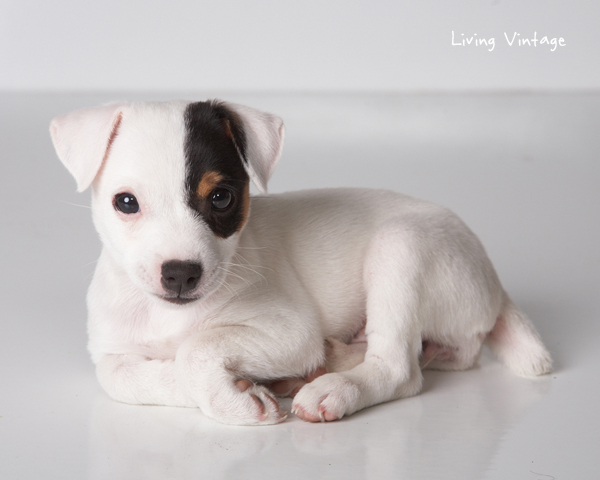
(523, 172)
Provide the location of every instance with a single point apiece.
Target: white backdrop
(306, 45)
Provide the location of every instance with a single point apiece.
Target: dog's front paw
(327, 398)
(245, 404)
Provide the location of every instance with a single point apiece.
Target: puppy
(202, 292)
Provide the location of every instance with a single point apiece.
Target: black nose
(180, 277)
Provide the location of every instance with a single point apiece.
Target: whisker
(236, 275)
(250, 265)
(247, 268)
(223, 283)
(93, 272)
(75, 204)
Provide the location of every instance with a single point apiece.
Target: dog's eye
(221, 199)
(126, 203)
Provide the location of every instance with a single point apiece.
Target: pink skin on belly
(431, 350)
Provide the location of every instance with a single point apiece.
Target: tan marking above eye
(228, 129)
(208, 183)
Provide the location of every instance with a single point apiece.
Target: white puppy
(202, 292)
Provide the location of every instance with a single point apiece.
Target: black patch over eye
(214, 153)
(221, 199)
(126, 203)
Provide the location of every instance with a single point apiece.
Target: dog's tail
(516, 342)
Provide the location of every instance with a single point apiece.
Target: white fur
(306, 266)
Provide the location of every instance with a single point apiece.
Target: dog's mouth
(179, 300)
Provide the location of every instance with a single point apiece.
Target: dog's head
(170, 185)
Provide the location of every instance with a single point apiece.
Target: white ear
(264, 134)
(83, 138)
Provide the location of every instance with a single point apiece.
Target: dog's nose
(180, 277)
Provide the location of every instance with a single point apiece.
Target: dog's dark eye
(126, 203)
(221, 199)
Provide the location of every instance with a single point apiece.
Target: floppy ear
(82, 139)
(260, 144)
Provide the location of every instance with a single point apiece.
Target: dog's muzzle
(180, 278)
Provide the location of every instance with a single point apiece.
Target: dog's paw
(248, 404)
(327, 398)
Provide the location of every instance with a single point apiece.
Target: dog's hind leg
(456, 355)
(391, 367)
